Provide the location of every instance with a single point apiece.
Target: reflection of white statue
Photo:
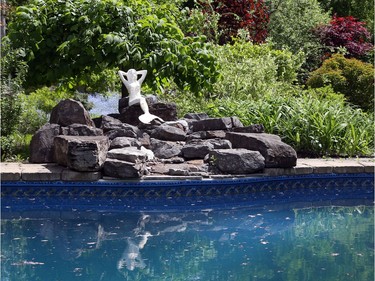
(134, 88)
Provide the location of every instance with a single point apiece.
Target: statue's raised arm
(143, 74)
(133, 85)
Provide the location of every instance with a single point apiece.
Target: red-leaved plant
(250, 15)
(346, 32)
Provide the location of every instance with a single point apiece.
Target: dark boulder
(165, 149)
(121, 142)
(277, 154)
(237, 161)
(109, 123)
(168, 133)
(128, 154)
(196, 150)
(212, 124)
(255, 128)
(41, 145)
(196, 116)
(166, 111)
(68, 112)
(122, 169)
(81, 130)
(207, 135)
(216, 143)
(123, 130)
(81, 153)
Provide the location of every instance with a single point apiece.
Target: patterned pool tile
(159, 189)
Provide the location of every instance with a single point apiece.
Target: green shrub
(351, 77)
(37, 106)
(15, 147)
(251, 71)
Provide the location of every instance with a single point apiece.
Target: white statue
(134, 88)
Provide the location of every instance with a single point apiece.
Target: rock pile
(193, 145)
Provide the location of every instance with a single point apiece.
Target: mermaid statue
(133, 85)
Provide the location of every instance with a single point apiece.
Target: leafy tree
(291, 25)
(12, 76)
(346, 32)
(361, 9)
(233, 15)
(74, 41)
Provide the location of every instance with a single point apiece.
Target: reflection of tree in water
(330, 243)
(307, 244)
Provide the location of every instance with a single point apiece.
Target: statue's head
(132, 75)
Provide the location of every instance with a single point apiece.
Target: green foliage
(251, 71)
(291, 25)
(351, 77)
(314, 122)
(74, 41)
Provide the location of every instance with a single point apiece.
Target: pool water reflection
(270, 242)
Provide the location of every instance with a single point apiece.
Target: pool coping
(11, 171)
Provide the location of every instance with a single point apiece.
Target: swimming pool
(284, 228)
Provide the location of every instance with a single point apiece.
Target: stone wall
(193, 145)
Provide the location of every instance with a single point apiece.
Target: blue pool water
(323, 233)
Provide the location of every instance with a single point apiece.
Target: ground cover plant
(315, 122)
(263, 61)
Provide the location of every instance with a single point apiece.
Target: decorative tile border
(183, 188)
(92, 199)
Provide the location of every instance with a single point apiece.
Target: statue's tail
(147, 117)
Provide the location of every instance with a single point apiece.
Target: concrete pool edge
(305, 166)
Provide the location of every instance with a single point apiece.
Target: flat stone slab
(54, 172)
(340, 166)
(70, 175)
(213, 124)
(11, 171)
(128, 154)
(43, 172)
(123, 169)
